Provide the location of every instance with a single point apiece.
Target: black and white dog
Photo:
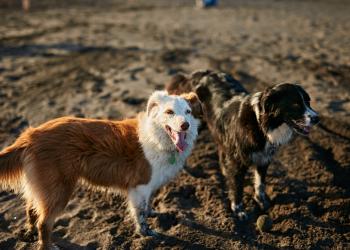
(248, 128)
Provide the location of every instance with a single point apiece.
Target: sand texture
(102, 60)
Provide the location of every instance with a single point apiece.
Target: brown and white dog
(134, 156)
(248, 128)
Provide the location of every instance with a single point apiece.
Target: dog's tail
(11, 166)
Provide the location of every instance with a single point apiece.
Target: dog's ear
(202, 92)
(150, 106)
(269, 101)
(177, 85)
(154, 100)
(195, 104)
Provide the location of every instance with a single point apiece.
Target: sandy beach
(102, 60)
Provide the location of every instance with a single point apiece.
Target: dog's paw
(146, 231)
(149, 232)
(51, 246)
(54, 247)
(27, 235)
(263, 202)
(152, 213)
(239, 212)
(242, 216)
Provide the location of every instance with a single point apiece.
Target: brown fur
(49, 160)
(11, 164)
(195, 104)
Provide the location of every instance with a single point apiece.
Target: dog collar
(172, 158)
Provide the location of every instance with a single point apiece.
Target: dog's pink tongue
(180, 142)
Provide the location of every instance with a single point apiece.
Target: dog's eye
(169, 112)
(188, 111)
(296, 105)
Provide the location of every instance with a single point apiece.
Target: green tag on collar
(172, 159)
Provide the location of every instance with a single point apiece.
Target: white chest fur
(160, 152)
(276, 137)
(165, 166)
(280, 135)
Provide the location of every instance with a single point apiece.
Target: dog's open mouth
(178, 138)
(300, 128)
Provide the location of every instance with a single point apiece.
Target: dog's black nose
(185, 126)
(315, 119)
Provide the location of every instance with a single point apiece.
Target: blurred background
(102, 59)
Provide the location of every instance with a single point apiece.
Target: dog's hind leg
(28, 233)
(259, 185)
(57, 198)
(50, 197)
(31, 216)
(31, 219)
(45, 226)
(138, 204)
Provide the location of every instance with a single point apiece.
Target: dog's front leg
(259, 185)
(150, 211)
(235, 181)
(222, 157)
(138, 203)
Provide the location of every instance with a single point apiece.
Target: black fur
(242, 137)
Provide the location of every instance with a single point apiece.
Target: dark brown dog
(248, 128)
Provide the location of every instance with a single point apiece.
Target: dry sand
(103, 60)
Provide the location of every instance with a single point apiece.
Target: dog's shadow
(234, 236)
(168, 240)
(67, 245)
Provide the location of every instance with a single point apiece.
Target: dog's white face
(173, 114)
